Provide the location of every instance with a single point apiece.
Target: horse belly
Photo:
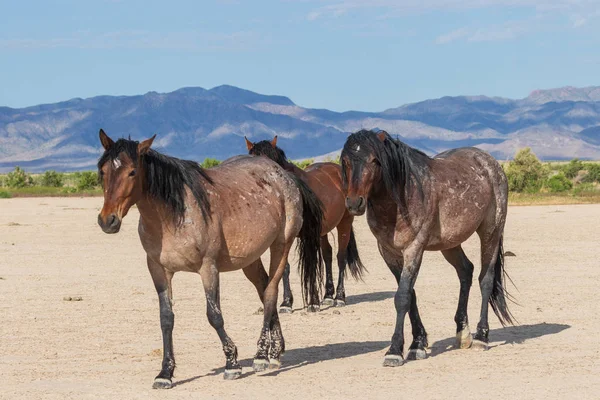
(246, 240)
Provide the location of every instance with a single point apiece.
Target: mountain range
(196, 123)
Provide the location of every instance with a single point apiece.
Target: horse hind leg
(491, 282)
(210, 281)
(464, 269)
(271, 344)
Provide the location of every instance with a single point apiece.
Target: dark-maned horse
(416, 203)
(325, 180)
(212, 221)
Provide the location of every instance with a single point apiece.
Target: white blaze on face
(358, 148)
(116, 163)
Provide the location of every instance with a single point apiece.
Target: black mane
(265, 148)
(401, 165)
(166, 177)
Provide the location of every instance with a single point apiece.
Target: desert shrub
(303, 164)
(572, 168)
(593, 173)
(86, 180)
(210, 162)
(52, 179)
(18, 178)
(525, 173)
(559, 183)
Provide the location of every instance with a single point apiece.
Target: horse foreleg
(328, 258)
(288, 297)
(210, 281)
(402, 300)
(167, 319)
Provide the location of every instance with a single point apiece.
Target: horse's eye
(132, 173)
(101, 173)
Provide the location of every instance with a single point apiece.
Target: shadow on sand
(508, 335)
(296, 358)
(370, 297)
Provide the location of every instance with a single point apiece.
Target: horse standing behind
(416, 203)
(212, 221)
(325, 180)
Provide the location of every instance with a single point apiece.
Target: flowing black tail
(309, 244)
(356, 267)
(499, 293)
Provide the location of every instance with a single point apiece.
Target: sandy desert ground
(107, 346)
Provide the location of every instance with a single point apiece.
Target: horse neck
(153, 213)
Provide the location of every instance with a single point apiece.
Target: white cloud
(452, 36)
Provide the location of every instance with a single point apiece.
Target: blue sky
(339, 54)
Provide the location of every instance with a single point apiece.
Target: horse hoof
(480, 345)
(392, 361)
(313, 308)
(285, 310)
(274, 364)
(464, 339)
(162, 383)
(416, 354)
(327, 302)
(260, 365)
(340, 303)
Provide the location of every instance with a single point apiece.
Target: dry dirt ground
(108, 344)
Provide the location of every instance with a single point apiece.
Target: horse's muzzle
(356, 206)
(112, 224)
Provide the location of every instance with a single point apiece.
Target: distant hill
(196, 123)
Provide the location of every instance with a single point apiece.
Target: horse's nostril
(113, 220)
(361, 201)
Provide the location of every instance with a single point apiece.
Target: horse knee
(215, 318)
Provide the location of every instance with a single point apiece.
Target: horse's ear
(105, 140)
(144, 146)
(249, 144)
(274, 141)
(382, 135)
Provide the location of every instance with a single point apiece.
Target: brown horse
(325, 180)
(212, 221)
(416, 203)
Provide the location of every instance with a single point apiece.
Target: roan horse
(325, 180)
(212, 221)
(416, 203)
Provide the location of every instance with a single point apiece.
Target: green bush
(559, 183)
(572, 168)
(210, 162)
(593, 173)
(4, 194)
(86, 180)
(2, 181)
(52, 179)
(18, 178)
(303, 164)
(525, 173)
